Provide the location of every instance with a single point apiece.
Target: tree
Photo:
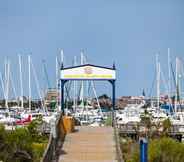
(166, 125)
(104, 96)
(146, 121)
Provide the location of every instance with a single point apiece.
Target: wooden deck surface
(89, 144)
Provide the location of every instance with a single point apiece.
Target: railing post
(54, 136)
(113, 100)
(143, 150)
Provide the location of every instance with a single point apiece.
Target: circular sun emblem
(88, 70)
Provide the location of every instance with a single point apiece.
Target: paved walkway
(89, 144)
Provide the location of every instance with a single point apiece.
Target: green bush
(24, 144)
(159, 150)
(165, 150)
(108, 121)
(166, 124)
(38, 150)
(130, 150)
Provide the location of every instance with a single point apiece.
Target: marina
(85, 109)
(91, 81)
(73, 111)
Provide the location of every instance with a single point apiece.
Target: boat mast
(21, 87)
(62, 57)
(98, 103)
(57, 83)
(29, 73)
(179, 79)
(176, 79)
(169, 74)
(62, 63)
(13, 87)
(2, 85)
(7, 80)
(158, 81)
(74, 87)
(82, 82)
(37, 85)
(86, 89)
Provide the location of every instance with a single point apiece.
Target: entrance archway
(88, 72)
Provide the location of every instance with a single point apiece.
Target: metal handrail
(50, 151)
(129, 128)
(119, 155)
(47, 156)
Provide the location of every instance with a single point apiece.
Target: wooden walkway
(89, 144)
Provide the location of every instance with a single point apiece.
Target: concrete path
(89, 144)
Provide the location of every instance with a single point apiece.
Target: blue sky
(129, 32)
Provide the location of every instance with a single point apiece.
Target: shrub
(24, 144)
(38, 150)
(165, 150)
(159, 150)
(108, 121)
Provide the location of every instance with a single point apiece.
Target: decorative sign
(88, 72)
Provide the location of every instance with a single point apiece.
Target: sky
(127, 32)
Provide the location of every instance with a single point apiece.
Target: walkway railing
(56, 137)
(133, 128)
(119, 155)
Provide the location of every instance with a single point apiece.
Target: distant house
(123, 101)
(51, 97)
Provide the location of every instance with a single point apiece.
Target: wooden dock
(89, 144)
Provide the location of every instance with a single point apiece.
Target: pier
(84, 144)
(89, 144)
